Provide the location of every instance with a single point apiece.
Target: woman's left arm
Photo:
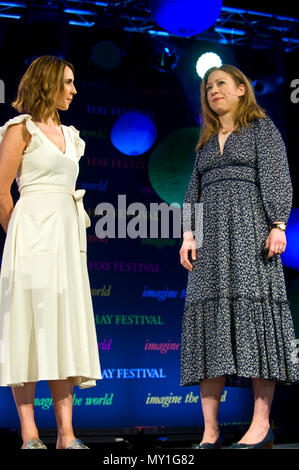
(275, 181)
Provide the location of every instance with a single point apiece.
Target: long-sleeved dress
(237, 321)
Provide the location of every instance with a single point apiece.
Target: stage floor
(140, 445)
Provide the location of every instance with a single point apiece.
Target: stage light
(258, 86)
(75, 11)
(86, 24)
(185, 17)
(206, 61)
(155, 33)
(164, 59)
(233, 31)
(6, 15)
(133, 133)
(12, 5)
(267, 85)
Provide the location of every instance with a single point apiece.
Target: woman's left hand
(276, 242)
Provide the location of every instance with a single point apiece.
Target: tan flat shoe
(34, 444)
(77, 444)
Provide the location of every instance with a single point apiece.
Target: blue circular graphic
(185, 17)
(133, 133)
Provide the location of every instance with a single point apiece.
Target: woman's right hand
(187, 245)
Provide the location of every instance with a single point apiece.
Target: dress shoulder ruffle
(78, 142)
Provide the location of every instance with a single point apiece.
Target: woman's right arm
(191, 197)
(12, 148)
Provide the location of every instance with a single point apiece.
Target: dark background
(172, 99)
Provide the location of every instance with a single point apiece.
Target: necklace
(226, 131)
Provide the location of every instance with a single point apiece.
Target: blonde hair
(247, 110)
(39, 88)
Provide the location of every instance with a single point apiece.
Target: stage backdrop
(137, 284)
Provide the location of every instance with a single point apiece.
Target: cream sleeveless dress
(47, 328)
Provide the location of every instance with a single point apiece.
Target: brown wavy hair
(39, 88)
(247, 110)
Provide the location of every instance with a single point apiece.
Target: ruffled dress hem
(240, 338)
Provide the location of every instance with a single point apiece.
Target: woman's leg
(62, 395)
(263, 391)
(24, 399)
(210, 392)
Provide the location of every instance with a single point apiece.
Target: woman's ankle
(28, 437)
(64, 438)
(211, 434)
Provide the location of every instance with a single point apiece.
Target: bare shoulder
(12, 147)
(17, 131)
(16, 138)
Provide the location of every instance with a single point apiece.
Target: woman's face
(65, 97)
(222, 92)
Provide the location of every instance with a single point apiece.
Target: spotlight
(268, 85)
(258, 86)
(206, 61)
(165, 60)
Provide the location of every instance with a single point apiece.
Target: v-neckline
(64, 135)
(218, 142)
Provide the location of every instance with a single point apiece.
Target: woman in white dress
(47, 328)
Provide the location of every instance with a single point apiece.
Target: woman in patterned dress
(237, 325)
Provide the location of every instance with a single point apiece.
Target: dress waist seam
(220, 297)
(45, 188)
(229, 178)
(224, 165)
